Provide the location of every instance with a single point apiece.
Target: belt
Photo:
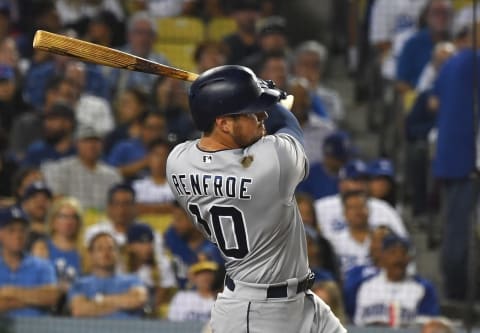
(279, 290)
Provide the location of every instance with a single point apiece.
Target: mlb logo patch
(207, 158)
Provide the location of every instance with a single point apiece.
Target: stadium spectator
(441, 53)
(90, 109)
(187, 245)
(329, 211)
(322, 179)
(105, 29)
(83, 176)
(391, 23)
(77, 14)
(393, 297)
(315, 129)
(28, 127)
(36, 201)
(243, 42)
(171, 100)
(331, 294)
(142, 261)
(130, 156)
(141, 35)
(275, 67)
(209, 54)
(153, 194)
(381, 182)
(454, 163)
(129, 106)
(37, 79)
(60, 247)
(322, 254)
(23, 178)
(121, 215)
(417, 51)
(11, 101)
(195, 304)
(57, 140)
(271, 39)
(352, 243)
(105, 293)
(310, 60)
(27, 284)
(354, 277)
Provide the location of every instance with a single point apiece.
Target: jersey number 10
(219, 215)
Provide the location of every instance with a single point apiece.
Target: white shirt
(189, 305)
(382, 301)
(351, 252)
(167, 277)
(315, 130)
(331, 221)
(427, 78)
(391, 17)
(72, 11)
(95, 112)
(146, 191)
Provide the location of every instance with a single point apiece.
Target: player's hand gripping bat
(99, 54)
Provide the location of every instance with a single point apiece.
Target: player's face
(248, 128)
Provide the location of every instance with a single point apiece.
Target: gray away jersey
(248, 210)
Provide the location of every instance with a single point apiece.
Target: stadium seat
(179, 55)
(220, 27)
(159, 222)
(180, 30)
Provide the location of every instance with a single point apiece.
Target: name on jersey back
(212, 185)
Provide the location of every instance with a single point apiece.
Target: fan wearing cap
(83, 175)
(196, 304)
(381, 183)
(322, 180)
(141, 260)
(354, 177)
(36, 202)
(393, 297)
(27, 284)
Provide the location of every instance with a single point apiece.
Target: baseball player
(238, 185)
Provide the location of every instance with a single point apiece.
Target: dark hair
(150, 113)
(206, 45)
(269, 56)
(350, 194)
(140, 95)
(120, 187)
(18, 178)
(159, 142)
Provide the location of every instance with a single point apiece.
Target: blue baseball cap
(12, 214)
(393, 239)
(36, 187)
(354, 169)
(140, 233)
(338, 145)
(381, 167)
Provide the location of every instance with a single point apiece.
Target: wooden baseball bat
(103, 55)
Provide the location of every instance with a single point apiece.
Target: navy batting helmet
(227, 90)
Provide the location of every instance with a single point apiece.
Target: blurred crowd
(89, 226)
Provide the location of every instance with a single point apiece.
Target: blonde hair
(335, 295)
(59, 204)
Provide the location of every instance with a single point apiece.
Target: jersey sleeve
(429, 305)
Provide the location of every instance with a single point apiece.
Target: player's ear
(224, 124)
